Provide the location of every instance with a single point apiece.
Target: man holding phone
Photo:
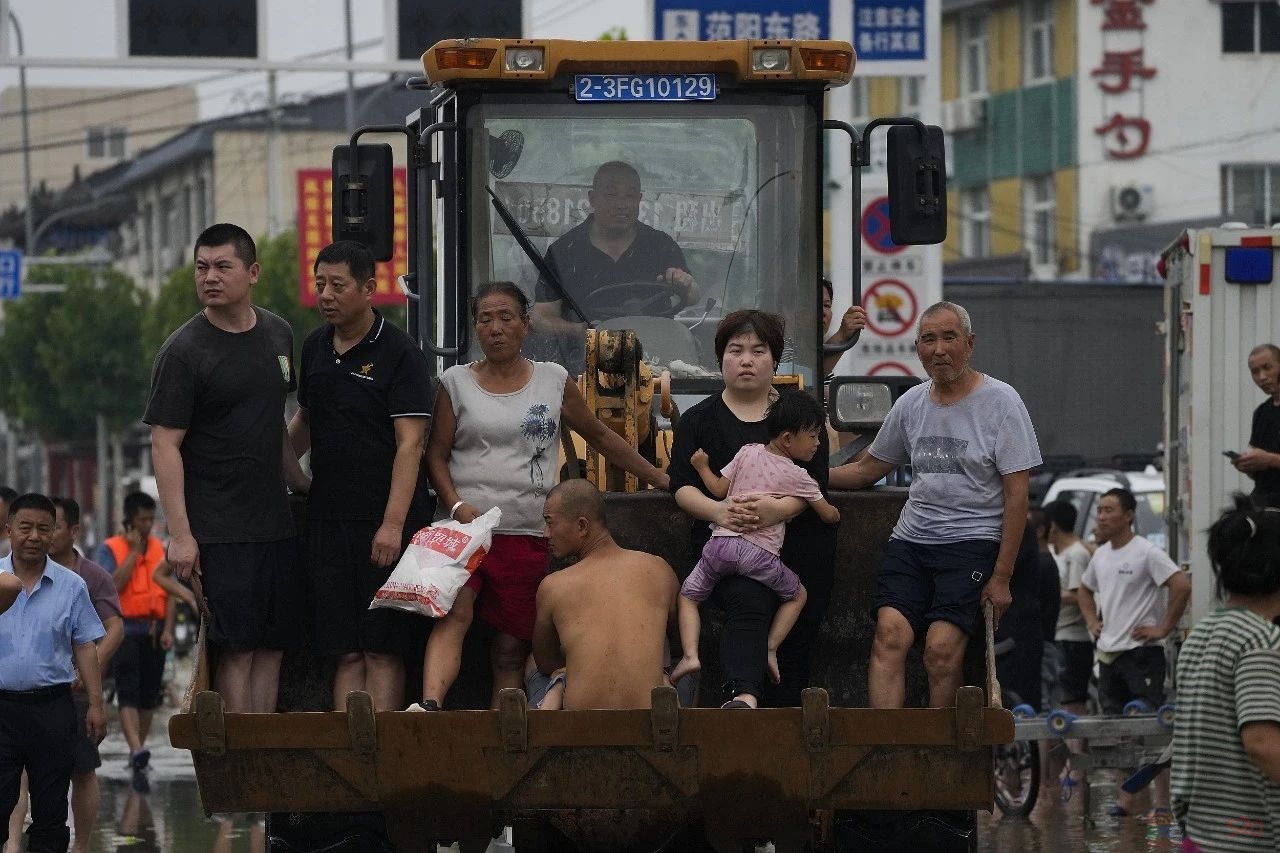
(1261, 460)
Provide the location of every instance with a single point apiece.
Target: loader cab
(726, 144)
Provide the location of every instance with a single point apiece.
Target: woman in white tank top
(494, 442)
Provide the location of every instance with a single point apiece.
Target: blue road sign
(888, 29)
(10, 274)
(716, 20)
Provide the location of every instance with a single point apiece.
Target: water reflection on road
(1057, 827)
(170, 820)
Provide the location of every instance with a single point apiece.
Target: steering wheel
(650, 298)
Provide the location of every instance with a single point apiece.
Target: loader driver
(1261, 459)
(613, 248)
(603, 620)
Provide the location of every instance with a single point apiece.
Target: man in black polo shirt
(612, 247)
(1261, 460)
(364, 399)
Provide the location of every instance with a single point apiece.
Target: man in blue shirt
(46, 635)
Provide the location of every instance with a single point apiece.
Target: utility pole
(351, 77)
(28, 219)
(273, 157)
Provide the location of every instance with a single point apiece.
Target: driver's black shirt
(583, 269)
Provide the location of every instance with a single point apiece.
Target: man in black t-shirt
(364, 398)
(216, 412)
(1261, 460)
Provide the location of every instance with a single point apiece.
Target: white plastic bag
(438, 562)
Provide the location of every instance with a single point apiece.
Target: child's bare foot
(774, 674)
(686, 666)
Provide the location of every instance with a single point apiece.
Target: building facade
(81, 130)
(1084, 134)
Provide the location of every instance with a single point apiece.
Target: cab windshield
(625, 202)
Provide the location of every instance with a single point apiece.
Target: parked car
(1084, 488)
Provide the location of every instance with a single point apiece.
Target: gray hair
(966, 324)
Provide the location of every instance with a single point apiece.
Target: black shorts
(935, 583)
(87, 758)
(139, 669)
(1075, 669)
(343, 581)
(1135, 674)
(252, 591)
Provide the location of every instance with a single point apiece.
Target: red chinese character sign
(315, 218)
(1121, 74)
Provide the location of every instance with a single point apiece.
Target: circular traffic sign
(891, 307)
(890, 368)
(875, 227)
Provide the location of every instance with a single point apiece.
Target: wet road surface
(165, 814)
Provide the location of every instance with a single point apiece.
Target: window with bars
(973, 56)
(1251, 193)
(975, 223)
(105, 142)
(909, 95)
(1037, 39)
(1251, 27)
(1040, 225)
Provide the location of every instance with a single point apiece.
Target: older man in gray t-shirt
(970, 444)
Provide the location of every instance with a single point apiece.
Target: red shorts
(506, 583)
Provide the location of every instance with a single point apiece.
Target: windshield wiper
(526, 246)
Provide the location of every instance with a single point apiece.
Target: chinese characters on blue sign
(715, 20)
(10, 274)
(888, 29)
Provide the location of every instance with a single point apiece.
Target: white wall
(1205, 107)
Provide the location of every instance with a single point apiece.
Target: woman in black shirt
(748, 346)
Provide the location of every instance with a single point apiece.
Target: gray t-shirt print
(958, 454)
(938, 454)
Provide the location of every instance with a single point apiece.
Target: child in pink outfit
(793, 425)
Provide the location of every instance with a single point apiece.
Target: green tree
(174, 305)
(65, 358)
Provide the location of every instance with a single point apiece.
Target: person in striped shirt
(1226, 747)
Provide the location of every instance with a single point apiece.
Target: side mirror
(363, 197)
(917, 185)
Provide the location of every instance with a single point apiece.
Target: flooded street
(1056, 827)
(170, 820)
(165, 815)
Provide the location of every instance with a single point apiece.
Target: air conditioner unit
(1132, 202)
(965, 114)
(975, 113)
(948, 119)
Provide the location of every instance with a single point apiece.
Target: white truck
(1222, 298)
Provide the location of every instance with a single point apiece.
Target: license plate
(645, 87)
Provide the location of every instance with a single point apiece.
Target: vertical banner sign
(895, 289)
(1121, 75)
(888, 30)
(315, 216)
(716, 20)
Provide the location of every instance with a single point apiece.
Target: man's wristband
(454, 509)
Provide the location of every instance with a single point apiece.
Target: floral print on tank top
(540, 431)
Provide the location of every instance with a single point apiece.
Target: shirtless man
(604, 619)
